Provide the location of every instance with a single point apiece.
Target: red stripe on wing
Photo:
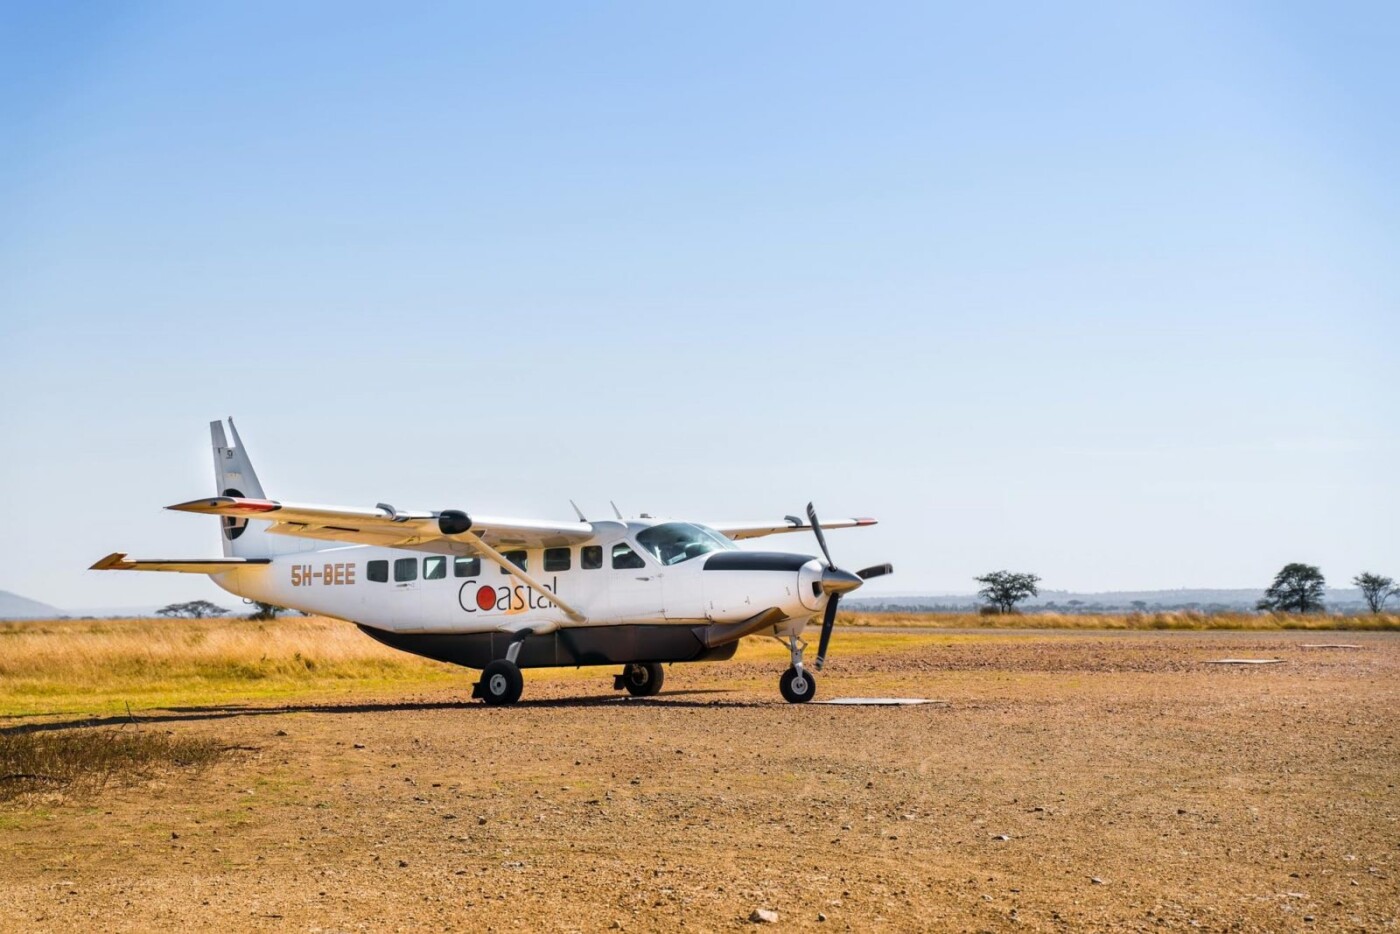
(255, 505)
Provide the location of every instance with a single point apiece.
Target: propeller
(834, 583)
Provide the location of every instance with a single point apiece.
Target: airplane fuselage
(615, 582)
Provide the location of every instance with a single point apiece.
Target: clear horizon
(1103, 293)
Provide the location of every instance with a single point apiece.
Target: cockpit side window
(674, 542)
(624, 557)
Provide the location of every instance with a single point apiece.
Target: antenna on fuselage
(617, 512)
(579, 512)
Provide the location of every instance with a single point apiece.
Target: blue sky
(1107, 292)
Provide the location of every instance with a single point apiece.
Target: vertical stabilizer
(234, 476)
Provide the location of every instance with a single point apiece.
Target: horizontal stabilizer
(118, 561)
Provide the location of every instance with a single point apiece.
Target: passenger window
(516, 558)
(405, 569)
(434, 569)
(590, 557)
(466, 567)
(557, 559)
(378, 571)
(625, 557)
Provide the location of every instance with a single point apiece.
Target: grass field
(99, 666)
(108, 666)
(105, 666)
(1172, 620)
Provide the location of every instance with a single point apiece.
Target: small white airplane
(505, 594)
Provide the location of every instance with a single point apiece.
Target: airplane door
(405, 595)
(634, 586)
(680, 585)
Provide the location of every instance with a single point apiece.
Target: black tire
(501, 683)
(643, 679)
(798, 689)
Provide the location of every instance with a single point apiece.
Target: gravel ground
(1067, 781)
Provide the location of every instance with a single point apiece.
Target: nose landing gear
(641, 679)
(797, 683)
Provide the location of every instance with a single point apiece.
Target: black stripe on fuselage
(576, 645)
(755, 561)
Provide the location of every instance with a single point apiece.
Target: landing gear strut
(500, 684)
(797, 683)
(641, 679)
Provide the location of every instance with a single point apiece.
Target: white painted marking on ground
(881, 701)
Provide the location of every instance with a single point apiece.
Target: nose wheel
(797, 683)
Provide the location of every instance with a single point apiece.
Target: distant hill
(1065, 601)
(13, 606)
(119, 612)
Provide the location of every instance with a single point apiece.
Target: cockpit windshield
(674, 542)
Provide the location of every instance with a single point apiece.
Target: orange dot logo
(486, 598)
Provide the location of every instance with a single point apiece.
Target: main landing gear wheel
(500, 684)
(798, 685)
(642, 679)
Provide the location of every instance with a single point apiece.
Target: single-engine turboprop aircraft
(505, 594)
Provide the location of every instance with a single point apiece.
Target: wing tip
(112, 562)
(227, 505)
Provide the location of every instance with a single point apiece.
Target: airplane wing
(449, 531)
(444, 531)
(118, 561)
(738, 530)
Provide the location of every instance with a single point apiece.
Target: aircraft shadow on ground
(231, 711)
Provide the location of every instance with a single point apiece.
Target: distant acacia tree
(195, 609)
(1375, 589)
(1296, 589)
(266, 610)
(1005, 589)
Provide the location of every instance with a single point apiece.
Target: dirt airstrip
(1073, 781)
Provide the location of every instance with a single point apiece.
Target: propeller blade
(878, 570)
(817, 530)
(828, 623)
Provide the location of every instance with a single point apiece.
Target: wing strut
(476, 544)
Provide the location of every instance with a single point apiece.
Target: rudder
(234, 476)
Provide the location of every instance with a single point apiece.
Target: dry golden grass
(1191, 620)
(84, 760)
(65, 666)
(104, 666)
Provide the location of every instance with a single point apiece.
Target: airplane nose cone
(835, 580)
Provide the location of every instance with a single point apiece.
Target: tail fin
(234, 476)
